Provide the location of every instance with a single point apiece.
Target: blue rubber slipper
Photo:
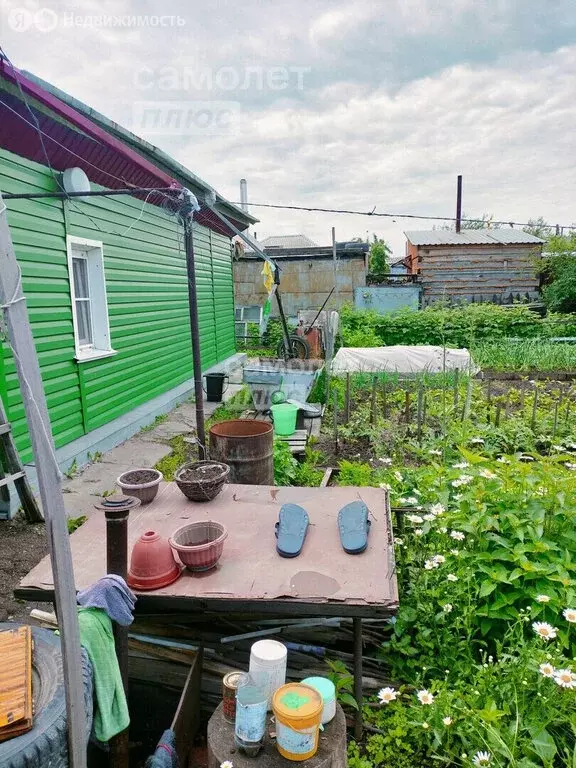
(354, 527)
(291, 530)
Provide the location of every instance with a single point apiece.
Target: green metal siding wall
(38, 233)
(147, 289)
(223, 286)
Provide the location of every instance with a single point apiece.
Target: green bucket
(284, 416)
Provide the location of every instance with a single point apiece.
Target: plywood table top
(322, 580)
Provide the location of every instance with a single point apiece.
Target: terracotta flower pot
(152, 563)
(200, 545)
(141, 483)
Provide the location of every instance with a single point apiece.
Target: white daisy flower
(462, 480)
(559, 448)
(503, 460)
(399, 542)
(542, 599)
(487, 474)
(443, 529)
(439, 559)
(437, 509)
(425, 726)
(482, 758)
(429, 517)
(570, 615)
(458, 497)
(544, 630)
(461, 465)
(386, 486)
(447, 721)
(416, 519)
(398, 476)
(227, 764)
(477, 441)
(452, 577)
(565, 678)
(546, 670)
(435, 452)
(457, 535)
(386, 695)
(411, 500)
(418, 532)
(447, 607)
(570, 465)
(425, 697)
(386, 461)
(429, 565)
(455, 552)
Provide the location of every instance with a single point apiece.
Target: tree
(470, 222)
(378, 256)
(559, 273)
(538, 227)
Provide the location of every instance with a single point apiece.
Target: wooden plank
(15, 682)
(50, 484)
(11, 478)
(187, 717)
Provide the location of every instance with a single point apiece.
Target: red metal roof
(61, 137)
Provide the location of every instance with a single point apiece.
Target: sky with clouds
(323, 103)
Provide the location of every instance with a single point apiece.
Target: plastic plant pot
(152, 563)
(141, 483)
(200, 545)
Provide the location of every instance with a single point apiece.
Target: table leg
(358, 728)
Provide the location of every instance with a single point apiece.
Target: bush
(451, 326)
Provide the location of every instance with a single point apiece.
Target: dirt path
(22, 546)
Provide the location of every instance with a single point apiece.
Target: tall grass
(524, 355)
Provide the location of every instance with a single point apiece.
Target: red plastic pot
(152, 563)
(200, 545)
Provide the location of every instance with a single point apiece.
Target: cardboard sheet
(250, 568)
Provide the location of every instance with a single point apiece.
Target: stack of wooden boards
(15, 682)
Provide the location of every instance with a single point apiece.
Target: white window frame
(93, 252)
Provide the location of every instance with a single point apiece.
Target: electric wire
(373, 212)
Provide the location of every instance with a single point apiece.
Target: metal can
(230, 684)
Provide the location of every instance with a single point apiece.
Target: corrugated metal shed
(506, 236)
(287, 241)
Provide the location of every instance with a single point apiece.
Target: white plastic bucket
(268, 666)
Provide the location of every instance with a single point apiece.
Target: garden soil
(22, 546)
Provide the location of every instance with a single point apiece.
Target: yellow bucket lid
(296, 701)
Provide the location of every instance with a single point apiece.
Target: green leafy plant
(343, 682)
(285, 465)
(74, 523)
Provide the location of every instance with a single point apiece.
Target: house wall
(147, 289)
(304, 283)
(479, 271)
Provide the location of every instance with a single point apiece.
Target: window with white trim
(89, 302)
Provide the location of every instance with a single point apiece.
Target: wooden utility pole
(20, 338)
(459, 204)
(335, 265)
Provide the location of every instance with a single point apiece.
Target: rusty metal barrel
(247, 446)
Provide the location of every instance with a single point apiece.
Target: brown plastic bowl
(200, 545)
(152, 563)
(146, 492)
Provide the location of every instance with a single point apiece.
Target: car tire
(46, 744)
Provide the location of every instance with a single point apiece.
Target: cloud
(394, 99)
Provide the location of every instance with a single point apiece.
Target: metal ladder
(12, 471)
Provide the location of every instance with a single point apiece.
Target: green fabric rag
(111, 715)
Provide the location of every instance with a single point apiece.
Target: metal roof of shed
(506, 236)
